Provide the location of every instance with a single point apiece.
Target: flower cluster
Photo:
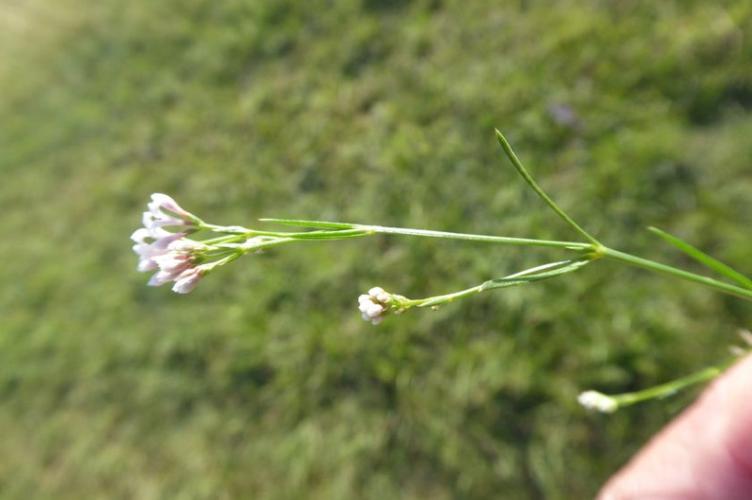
(173, 255)
(374, 305)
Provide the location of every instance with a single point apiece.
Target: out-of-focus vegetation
(265, 382)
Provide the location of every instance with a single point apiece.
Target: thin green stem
(239, 231)
(504, 240)
(533, 184)
(280, 241)
(443, 299)
(538, 273)
(343, 227)
(672, 387)
(679, 273)
(596, 249)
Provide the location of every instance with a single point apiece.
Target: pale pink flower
(160, 201)
(151, 243)
(171, 265)
(165, 211)
(153, 239)
(171, 254)
(188, 279)
(178, 257)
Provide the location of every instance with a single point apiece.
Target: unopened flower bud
(380, 295)
(594, 400)
(374, 305)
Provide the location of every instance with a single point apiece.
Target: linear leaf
(337, 234)
(703, 258)
(536, 274)
(539, 190)
(310, 223)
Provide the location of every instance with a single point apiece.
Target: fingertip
(735, 389)
(706, 452)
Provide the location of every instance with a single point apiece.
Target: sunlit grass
(265, 382)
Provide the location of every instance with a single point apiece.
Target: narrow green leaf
(703, 258)
(328, 235)
(310, 223)
(521, 278)
(539, 190)
(536, 274)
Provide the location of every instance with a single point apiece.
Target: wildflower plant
(167, 245)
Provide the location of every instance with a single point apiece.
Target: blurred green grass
(264, 382)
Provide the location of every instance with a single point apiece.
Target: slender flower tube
(187, 280)
(165, 211)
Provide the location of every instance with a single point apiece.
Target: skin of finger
(705, 453)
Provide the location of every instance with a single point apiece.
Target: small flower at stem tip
(171, 254)
(186, 281)
(594, 400)
(375, 304)
(165, 212)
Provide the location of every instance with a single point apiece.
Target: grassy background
(265, 383)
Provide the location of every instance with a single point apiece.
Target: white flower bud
(374, 305)
(380, 295)
(594, 400)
